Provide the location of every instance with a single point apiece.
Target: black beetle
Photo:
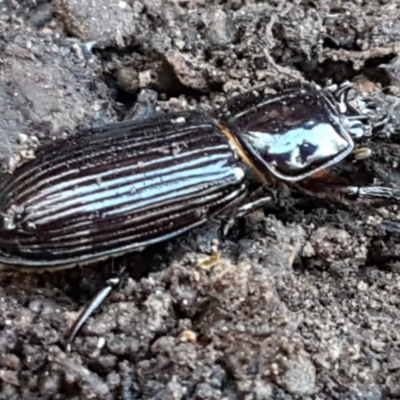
(111, 190)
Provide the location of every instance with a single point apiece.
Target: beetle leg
(249, 207)
(371, 192)
(90, 308)
(356, 128)
(329, 189)
(341, 94)
(145, 106)
(246, 208)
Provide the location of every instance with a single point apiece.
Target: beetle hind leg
(340, 191)
(90, 308)
(371, 192)
(113, 283)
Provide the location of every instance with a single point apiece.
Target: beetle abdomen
(117, 189)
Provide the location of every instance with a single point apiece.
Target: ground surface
(305, 300)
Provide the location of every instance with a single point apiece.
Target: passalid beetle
(112, 190)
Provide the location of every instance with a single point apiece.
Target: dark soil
(304, 302)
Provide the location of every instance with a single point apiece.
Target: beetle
(119, 188)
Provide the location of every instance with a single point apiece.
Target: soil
(304, 300)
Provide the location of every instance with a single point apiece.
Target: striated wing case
(116, 189)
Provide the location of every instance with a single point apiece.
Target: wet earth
(304, 300)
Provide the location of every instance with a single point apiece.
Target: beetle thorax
(296, 132)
